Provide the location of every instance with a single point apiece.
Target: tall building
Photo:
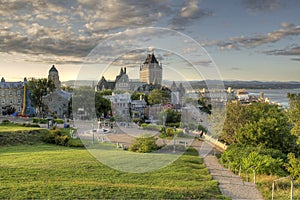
(53, 75)
(151, 71)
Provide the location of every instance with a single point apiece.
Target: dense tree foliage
(39, 88)
(158, 96)
(103, 106)
(294, 114)
(265, 160)
(258, 124)
(83, 103)
(293, 166)
(137, 95)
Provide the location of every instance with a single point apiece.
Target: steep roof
(150, 59)
(53, 69)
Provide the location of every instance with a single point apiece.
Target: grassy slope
(49, 171)
(14, 128)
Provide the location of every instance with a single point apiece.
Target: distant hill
(202, 84)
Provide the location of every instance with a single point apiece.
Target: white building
(242, 95)
(120, 105)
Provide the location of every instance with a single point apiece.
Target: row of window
(10, 93)
(11, 101)
(18, 110)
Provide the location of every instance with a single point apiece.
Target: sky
(194, 40)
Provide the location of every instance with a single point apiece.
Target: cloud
(285, 52)
(69, 30)
(263, 5)
(189, 12)
(254, 41)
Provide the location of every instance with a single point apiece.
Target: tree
(294, 114)
(235, 117)
(103, 106)
(293, 166)
(157, 96)
(259, 124)
(144, 144)
(39, 88)
(137, 95)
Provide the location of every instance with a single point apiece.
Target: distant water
(275, 95)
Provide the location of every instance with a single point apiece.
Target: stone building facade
(57, 102)
(151, 71)
(14, 98)
(121, 82)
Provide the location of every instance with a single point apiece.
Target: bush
(6, 121)
(267, 161)
(144, 145)
(152, 127)
(170, 132)
(30, 125)
(75, 143)
(35, 120)
(174, 124)
(43, 121)
(56, 137)
(59, 121)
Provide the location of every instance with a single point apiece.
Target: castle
(151, 71)
(121, 82)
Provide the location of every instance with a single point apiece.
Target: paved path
(231, 185)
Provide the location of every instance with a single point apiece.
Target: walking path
(231, 185)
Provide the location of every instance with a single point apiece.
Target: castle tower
(151, 71)
(53, 75)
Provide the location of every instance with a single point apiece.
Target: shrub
(35, 120)
(174, 124)
(6, 121)
(59, 121)
(267, 161)
(43, 121)
(55, 137)
(170, 132)
(144, 145)
(75, 143)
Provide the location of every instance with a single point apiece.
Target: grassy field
(14, 128)
(45, 171)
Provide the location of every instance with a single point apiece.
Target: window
(19, 101)
(18, 92)
(10, 93)
(11, 101)
(3, 93)
(3, 101)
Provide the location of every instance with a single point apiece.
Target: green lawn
(53, 172)
(14, 128)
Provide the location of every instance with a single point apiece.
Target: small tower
(53, 75)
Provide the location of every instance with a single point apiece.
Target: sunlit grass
(54, 172)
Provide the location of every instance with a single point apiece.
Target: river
(275, 95)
